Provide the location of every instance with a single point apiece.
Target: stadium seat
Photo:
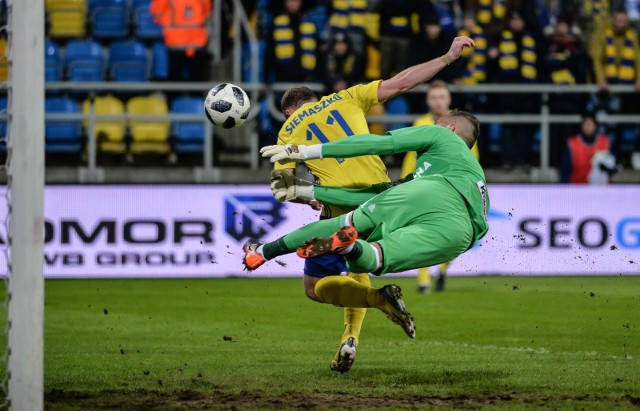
(62, 136)
(4, 60)
(397, 106)
(109, 19)
(110, 133)
(3, 125)
(160, 61)
(66, 18)
(144, 26)
(128, 61)
(84, 61)
(148, 137)
(52, 62)
(189, 135)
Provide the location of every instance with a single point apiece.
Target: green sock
(293, 240)
(362, 259)
(275, 249)
(322, 228)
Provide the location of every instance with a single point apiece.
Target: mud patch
(155, 400)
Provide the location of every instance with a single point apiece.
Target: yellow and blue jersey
(335, 117)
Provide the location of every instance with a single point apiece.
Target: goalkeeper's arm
(359, 145)
(287, 187)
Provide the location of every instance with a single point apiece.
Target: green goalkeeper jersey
(441, 154)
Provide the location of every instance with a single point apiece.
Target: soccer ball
(227, 105)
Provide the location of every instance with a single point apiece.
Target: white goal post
(25, 181)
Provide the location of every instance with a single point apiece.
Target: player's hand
(459, 43)
(285, 154)
(285, 186)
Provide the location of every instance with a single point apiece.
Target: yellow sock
(343, 291)
(444, 267)
(353, 317)
(424, 277)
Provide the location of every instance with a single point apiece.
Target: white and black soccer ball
(227, 105)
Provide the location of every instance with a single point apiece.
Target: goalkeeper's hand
(285, 186)
(291, 152)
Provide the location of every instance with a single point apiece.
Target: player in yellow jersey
(310, 120)
(439, 104)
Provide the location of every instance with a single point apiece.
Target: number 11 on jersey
(334, 118)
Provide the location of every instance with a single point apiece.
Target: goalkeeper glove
(287, 187)
(291, 152)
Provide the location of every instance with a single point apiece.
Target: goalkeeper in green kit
(432, 217)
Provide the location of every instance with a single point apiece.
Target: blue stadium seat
(397, 106)
(109, 19)
(52, 62)
(62, 136)
(144, 26)
(84, 61)
(160, 61)
(128, 61)
(189, 137)
(3, 125)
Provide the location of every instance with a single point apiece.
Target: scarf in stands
(475, 71)
(622, 71)
(489, 10)
(348, 15)
(285, 47)
(509, 59)
(598, 10)
(560, 75)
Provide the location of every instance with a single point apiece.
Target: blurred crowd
(343, 42)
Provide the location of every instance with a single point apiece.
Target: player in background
(432, 217)
(331, 118)
(438, 100)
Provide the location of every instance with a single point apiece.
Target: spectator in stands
(449, 14)
(515, 60)
(615, 53)
(184, 30)
(587, 156)
(429, 44)
(471, 68)
(564, 64)
(292, 46)
(349, 17)
(396, 31)
(342, 67)
(565, 59)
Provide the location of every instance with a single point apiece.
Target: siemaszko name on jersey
(322, 104)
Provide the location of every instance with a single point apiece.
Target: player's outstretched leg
(442, 277)
(424, 280)
(336, 243)
(396, 310)
(252, 259)
(345, 357)
(256, 253)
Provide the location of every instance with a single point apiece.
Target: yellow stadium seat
(110, 133)
(149, 136)
(4, 60)
(66, 18)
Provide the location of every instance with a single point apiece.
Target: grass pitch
(503, 342)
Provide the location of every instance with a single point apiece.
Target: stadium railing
(209, 173)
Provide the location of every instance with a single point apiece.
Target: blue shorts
(325, 265)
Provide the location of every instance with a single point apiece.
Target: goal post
(25, 185)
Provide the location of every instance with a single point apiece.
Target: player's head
(294, 98)
(620, 21)
(292, 6)
(463, 123)
(589, 125)
(438, 98)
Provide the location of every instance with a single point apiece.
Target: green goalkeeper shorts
(419, 223)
